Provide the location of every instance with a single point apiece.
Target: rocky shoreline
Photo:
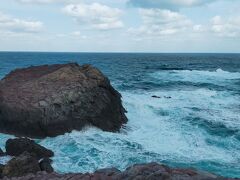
(32, 162)
(51, 100)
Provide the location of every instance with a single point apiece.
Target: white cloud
(78, 34)
(122, 2)
(168, 4)
(74, 34)
(8, 23)
(38, 1)
(157, 22)
(199, 28)
(228, 27)
(96, 15)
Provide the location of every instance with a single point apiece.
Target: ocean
(195, 123)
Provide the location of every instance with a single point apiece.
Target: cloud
(168, 4)
(199, 28)
(74, 34)
(78, 34)
(8, 23)
(158, 22)
(96, 15)
(226, 27)
(38, 1)
(69, 1)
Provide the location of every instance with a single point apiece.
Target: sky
(120, 25)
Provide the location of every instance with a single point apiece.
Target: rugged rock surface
(1, 170)
(21, 165)
(53, 99)
(45, 165)
(1, 153)
(15, 147)
(152, 171)
(30, 158)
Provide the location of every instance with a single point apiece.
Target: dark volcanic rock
(108, 171)
(1, 153)
(15, 147)
(152, 171)
(1, 170)
(51, 100)
(21, 165)
(45, 165)
(154, 96)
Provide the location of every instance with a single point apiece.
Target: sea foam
(166, 130)
(214, 77)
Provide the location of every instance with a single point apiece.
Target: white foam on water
(156, 131)
(169, 130)
(3, 139)
(171, 134)
(5, 159)
(196, 76)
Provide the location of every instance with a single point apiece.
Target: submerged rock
(154, 96)
(51, 100)
(151, 171)
(15, 147)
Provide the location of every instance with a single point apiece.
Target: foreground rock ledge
(27, 166)
(51, 100)
(152, 171)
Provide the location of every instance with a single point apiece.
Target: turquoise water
(199, 126)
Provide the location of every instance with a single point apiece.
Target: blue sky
(120, 25)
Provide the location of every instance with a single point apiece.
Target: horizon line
(118, 52)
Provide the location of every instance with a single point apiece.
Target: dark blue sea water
(199, 126)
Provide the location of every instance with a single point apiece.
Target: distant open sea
(199, 126)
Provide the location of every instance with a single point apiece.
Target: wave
(163, 68)
(218, 80)
(213, 77)
(175, 131)
(215, 128)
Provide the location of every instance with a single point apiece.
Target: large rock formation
(51, 100)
